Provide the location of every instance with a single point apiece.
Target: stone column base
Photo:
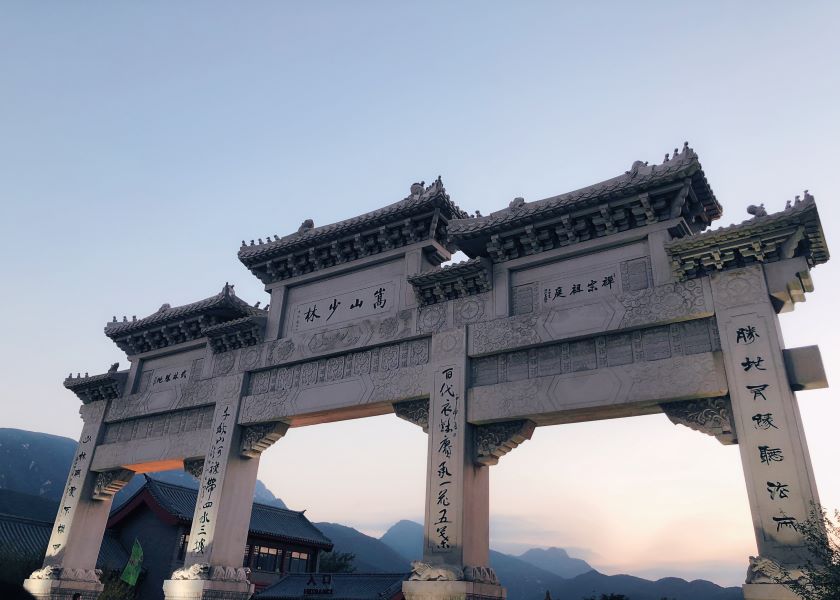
(206, 589)
(451, 590)
(767, 591)
(63, 589)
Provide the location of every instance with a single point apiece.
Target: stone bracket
(712, 416)
(497, 439)
(414, 411)
(194, 467)
(804, 368)
(109, 483)
(257, 438)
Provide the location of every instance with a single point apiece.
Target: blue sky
(140, 142)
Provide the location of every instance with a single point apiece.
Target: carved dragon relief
(497, 439)
(711, 416)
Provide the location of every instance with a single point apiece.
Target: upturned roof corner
(172, 325)
(766, 238)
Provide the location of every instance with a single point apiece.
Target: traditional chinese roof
(90, 388)
(239, 333)
(172, 325)
(457, 280)
(795, 231)
(344, 586)
(641, 196)
(26, 523)
(422, 215)
(178, 502)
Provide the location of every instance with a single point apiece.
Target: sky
(141, 142)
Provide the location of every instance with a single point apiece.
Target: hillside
(372, 556)
(557, 561)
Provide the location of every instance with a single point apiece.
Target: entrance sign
(609, 301)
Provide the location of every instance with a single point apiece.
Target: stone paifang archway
(604, 302)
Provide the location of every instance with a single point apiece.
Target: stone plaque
(366, 302)
(523, 299)
(656, 343)
(696, 337)
(580, 287)
(634, 274)
(485, 371)
(619, 350)
(549, 360)
(583, 355)
(517, 366)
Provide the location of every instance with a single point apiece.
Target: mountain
(372, 555)
(34, 463)
(406, 537)
(37, 464)
(557, 561)
(528, 576)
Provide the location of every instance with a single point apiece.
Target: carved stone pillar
(213, 562)
(455, 561)
(70, 561)
(765, 413)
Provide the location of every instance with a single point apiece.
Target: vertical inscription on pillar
(72, 492)
(767, 438)
(446, 423)
(201, 534)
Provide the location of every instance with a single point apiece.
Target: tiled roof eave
(255, 255)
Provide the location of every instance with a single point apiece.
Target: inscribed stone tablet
(657, 343)
(583, 355)
(619, 350)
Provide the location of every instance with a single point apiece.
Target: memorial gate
(605, 302)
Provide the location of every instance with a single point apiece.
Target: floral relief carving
(739, 287)
(501, 334)
(663, 303)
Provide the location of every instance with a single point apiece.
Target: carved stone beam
(414, 411)
(257, 438)
(109, 483)
(712, 416)
(194, 467)
(497, 439)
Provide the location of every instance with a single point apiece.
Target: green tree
(820, 578)
(337, 562)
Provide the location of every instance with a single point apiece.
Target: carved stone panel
(257, 438)
(711, 416)
(414, 411)
(109, 483)
(497, 439)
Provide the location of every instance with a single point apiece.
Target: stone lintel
(712, 416)
(109, 483)
(805, 369)
(414, 411)
(257, 438)
(494, 440)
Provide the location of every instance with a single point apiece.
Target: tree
(820, 578)
(337, 562)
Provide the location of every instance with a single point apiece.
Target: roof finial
(257, 304)
(276, 237)
(788, 204)
(115, 319)
(807, 195)
(86, 374)
(306, 226)
(252, 242)
(757, 211)
(125, 319)
(133, 317)
(267, 306)
(243, 243)
(417, 188)
(667, 157)
(78, 375)
(260, 241)
(114, 367)
(797, 200)
(517, 202)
